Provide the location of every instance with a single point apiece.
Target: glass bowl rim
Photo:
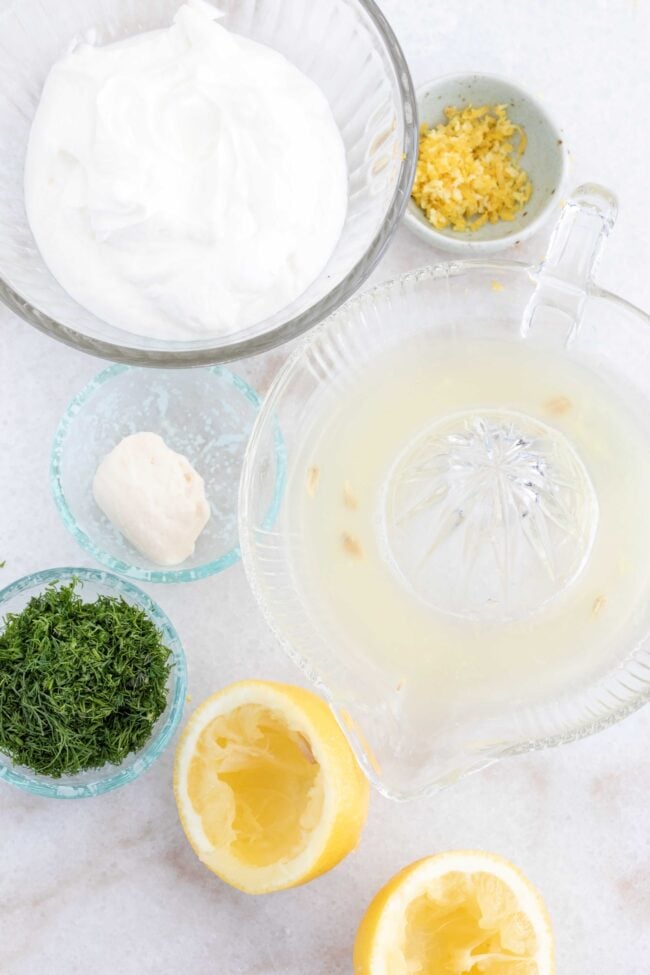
(173, 575)
(39, 785)
(243, 348)
(607, 717)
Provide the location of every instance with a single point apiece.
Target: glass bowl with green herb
(92, 682)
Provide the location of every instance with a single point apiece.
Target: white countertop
(110, 885)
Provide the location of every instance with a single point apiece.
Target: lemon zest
(468, 171)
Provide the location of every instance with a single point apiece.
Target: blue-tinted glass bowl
(205, 414)
(94, 782)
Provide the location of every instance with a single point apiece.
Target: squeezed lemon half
(459, 913)
(268, 790)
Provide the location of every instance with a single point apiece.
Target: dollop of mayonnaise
(184, 183)
(153, 496)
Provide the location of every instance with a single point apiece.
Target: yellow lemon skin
(380, 942)
(268, 790)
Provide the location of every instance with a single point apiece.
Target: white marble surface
(110, 885)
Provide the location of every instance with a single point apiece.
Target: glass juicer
(488, 516)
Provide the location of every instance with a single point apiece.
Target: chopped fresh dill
(81, 683)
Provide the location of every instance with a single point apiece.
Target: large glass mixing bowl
(510, 468)
(345, 46)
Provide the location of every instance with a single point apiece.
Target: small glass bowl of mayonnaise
(205, 415)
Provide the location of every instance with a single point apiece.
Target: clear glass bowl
(205, 414)
(345, 46)
(404, 747)
(94, 782)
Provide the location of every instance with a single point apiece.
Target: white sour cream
(184, 183)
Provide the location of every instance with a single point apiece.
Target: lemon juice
(475, 524)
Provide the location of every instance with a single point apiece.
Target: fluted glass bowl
(94, 782)
(205, 414)
(410, 736)
(345, 46)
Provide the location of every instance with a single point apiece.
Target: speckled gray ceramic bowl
(545, 160)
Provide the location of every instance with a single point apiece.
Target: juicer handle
(564, 276)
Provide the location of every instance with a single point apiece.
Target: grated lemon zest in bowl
(468, 170)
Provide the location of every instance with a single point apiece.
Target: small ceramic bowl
(205, 414)
(94, 782)
(544, 159)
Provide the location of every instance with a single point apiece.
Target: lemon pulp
(466, 924)
(256, 785)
